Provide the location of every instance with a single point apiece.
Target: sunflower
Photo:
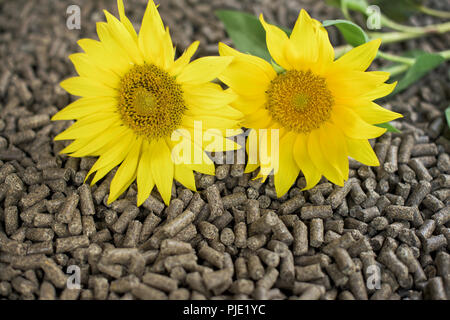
(134, 96)
(322, 108)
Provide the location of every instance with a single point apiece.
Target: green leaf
(246, 31)
(358, 5)
(424, 64)
(389, 127)
(351, 32)
(447, 115)
(398, 10)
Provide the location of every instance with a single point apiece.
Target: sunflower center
(299, 100)
(150, 101)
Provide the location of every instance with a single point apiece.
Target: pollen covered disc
(299, 100)
(151, 101)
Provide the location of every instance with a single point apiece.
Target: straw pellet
(316, 232)
(144, 292)
(255, 267)
(252, 211)
(234, 199)
(129, 214)
(257, 241)
(264, 224)
(88, 224)
(434, 243)
(211, 255)
(149, 225)
(442, 216)
(223, 221)
(312, 212)
(339, 193)
(227, 236)
(419, 192)
(242, 286)
(172, 227)
(75, 227)
(71, 243)
(160, 282)
(357, 286)
(395, 212)
(435, 290)
(270, 258)
(406, 149)
(208, 230)
(86, 200)
(66, 212)
(132, 235)
(292, 205)
(300, 233)
(269, 278)
(420, 170)
(308, 273)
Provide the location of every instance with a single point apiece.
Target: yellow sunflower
(134, 96)
(322, 107)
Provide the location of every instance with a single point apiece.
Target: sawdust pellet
(255, 267)
(292, 205)
(160, 282)
(71, 243)
(311, 212)
(172, 227)
(125, 218)
(264, 224)
(308, 273)
(132, 235)
(65, 213)
(316, 232)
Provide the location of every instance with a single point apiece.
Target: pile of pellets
(384, 235)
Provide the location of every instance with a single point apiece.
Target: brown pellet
(208, 230)
(172, 227)
(418, 193)
(240, 233)
(86, 200)
(214, 201)
(257, 241)
(71, 243)
(316, 233)
(160, 282)
(264, 224)
(150, 223)
(406, 149)
(300, 233)
(252, 210)
(144, 292)
(442, 216)
(308, 273)
(311, 212)
(420, 170)
(269, 278)
(129, 214)
(75, 227)
(211, 255)
(270, 258)
(255, 267)
(65, 213)
(132, 235)
(292, 205)
(234, 199)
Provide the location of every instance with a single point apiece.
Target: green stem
(391, 37)
(394, 58)
(436, 28)
(435, 13)
(401, 68)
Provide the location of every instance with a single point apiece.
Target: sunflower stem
(395, 58)
(401, 68)
(434, 12)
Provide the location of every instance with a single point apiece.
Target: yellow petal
(162, 169)
(126, 22)
(87, 127)
(100, 56)
(333, 144)
(303, 46)
(151, 35)
(204, 70)
(353, 126)
(126, 173)
(184, 60)
(124, 39)
(115, 155)
(185, 176)
(304, 162)
(87, 87)
(361, 151)
(320, 159)
(381, 91)
(288, 170)
(145, 182)
(360, 57)
(373, 113)
(276, 40)
(258, 63)
(207, 96)
(112, 46)
(87, 68)
(86, 106)
(97, 142)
